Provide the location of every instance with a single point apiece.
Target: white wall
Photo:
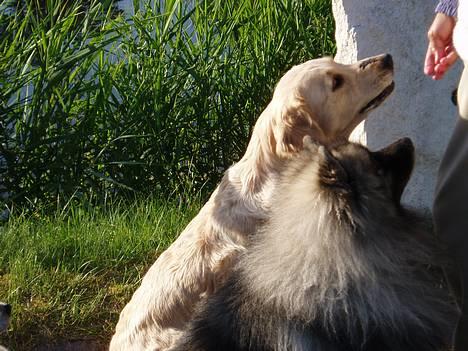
(419, 107)
(126, 6)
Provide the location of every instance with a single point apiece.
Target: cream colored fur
(461, 31)
(319, 98)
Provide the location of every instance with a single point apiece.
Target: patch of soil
(75, 345)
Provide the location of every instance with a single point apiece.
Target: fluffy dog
(339, 266)
(319, 98)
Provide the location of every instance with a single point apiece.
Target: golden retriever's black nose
(387, 62)
(6, 309)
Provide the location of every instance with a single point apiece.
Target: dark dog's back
(340, 265)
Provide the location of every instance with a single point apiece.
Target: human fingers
(429, 62)
(433, 59)
(450, 58)
(439, 50)
(445, 64)
(439, 72)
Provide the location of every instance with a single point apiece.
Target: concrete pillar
(419, 108)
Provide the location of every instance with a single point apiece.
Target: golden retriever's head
(327, 100)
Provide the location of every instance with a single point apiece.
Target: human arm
(441, 54)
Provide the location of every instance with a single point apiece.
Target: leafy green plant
(163, 101)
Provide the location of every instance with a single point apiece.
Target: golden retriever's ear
(297, 123)
(331, 172)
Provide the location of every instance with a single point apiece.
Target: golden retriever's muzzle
(385, 62)
(397, 160)
(382, 66)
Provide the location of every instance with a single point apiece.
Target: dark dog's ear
(331, 172)
(397, 161)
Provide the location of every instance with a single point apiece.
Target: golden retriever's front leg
(187, 271)
(222, 256)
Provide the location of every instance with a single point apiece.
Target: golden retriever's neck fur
(273, 141)
(260, 159)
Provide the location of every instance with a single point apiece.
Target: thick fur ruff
(339, 266)
(320, 99)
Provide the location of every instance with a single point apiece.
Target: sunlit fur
(306, 102)
(340, 265)
(461, 28)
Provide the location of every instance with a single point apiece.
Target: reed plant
(159, 101)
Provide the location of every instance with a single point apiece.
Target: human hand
(441, 54)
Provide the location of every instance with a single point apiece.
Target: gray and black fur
(339, 266)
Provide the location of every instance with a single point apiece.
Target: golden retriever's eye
(338, 82)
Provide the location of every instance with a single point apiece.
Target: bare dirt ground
(75, 345)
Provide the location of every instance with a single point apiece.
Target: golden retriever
(319, 98)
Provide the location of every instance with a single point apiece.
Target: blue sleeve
(447, 7)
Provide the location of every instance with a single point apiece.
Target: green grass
(68, 275)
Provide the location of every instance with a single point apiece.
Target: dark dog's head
(349, 184)
(353, 170)
(5, 313)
